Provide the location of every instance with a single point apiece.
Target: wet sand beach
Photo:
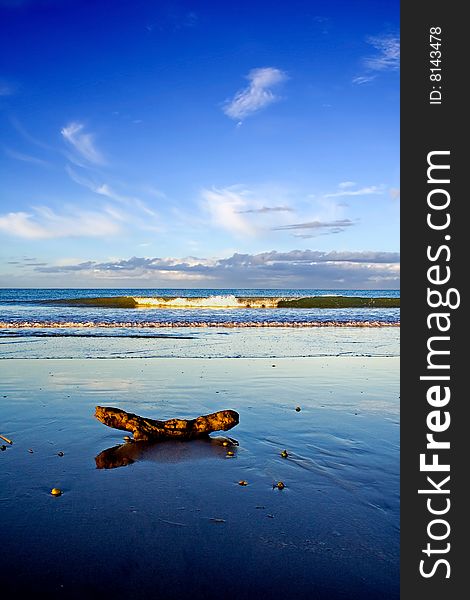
(173, 521)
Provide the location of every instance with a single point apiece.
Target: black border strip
(426, 128)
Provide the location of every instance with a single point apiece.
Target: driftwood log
(182, 429)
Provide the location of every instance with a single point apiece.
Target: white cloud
(386, 58)
(150, 190)
(335, 226)
(258, 211)
(248, 211)
(106, 190)
(25, 157)
(297, 268)
(82, 142)
(361, 79)
(20, 224)
(256, 95)
(388, 53)
(225, 207)
(103, 189)
(45, 223)
(27, 136)
(346, 191)
(268, 209)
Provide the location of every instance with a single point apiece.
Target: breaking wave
(228, 302)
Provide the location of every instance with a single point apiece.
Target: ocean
(182, 307)
(197, 323)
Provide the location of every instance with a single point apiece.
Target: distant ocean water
(32, 326)
(34, 308)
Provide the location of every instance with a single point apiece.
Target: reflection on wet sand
(161, 526)
(166, 452)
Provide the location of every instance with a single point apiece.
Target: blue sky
(199, 144)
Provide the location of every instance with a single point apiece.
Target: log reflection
(168, 451)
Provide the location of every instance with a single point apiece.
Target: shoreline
(197, 342)
(198, 324)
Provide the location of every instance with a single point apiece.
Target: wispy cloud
(309, 236)
(83, 143)
(257, 95)
(103, 189)
(394, 193)
(244, 211)
(268, 209)
(25, 157)
(225, 207)
(26, 263)
(386, 57)
(45, 223)
(345, 190)
(334, 226)
(27, 136)
(261, 210)
(361, 79)
(151, 190)
(303, 268)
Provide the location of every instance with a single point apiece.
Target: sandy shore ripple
(202, 324)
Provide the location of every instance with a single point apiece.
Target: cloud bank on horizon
(133, 149)
(297, 268)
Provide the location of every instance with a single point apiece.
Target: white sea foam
(175, 324)
(228, 301)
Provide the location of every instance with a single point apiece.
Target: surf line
(441, 299)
